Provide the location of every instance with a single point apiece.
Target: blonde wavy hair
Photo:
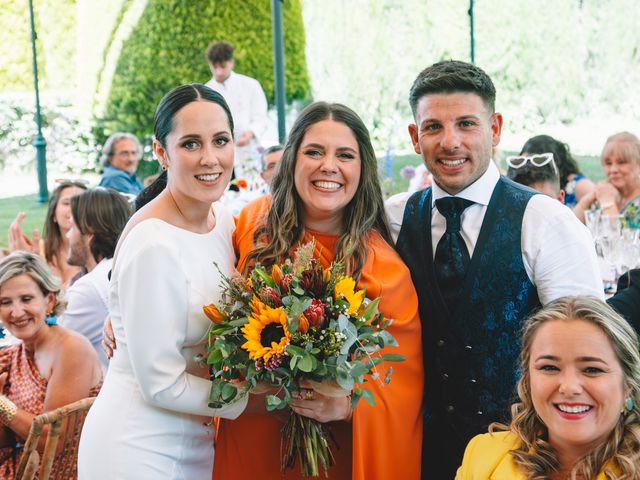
(28, 263)
(536, 457)
(283, 227)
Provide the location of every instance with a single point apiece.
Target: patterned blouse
(27, 389)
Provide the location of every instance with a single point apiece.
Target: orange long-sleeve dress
(381, 442)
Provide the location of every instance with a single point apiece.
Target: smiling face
(577, 384)
(327, 174)
(621, 169)
(125, 155)
(23, 306)
(455, 134)
(63, 208)
(198, 153)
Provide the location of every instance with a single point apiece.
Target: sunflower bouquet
(297, 321)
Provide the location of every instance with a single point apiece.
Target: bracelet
(604, 206)
(8, 410)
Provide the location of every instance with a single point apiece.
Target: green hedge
(167, 47)
(55, 25)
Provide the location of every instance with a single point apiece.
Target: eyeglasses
(126, 153)
(537, 160)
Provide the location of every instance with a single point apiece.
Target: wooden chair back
(67, 457)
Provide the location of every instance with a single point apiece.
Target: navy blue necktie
(452, 257)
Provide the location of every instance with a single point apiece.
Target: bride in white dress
(151, 419)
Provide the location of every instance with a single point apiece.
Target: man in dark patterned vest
(483, 253)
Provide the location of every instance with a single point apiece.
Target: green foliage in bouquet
(299, 321)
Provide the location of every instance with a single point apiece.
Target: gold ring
(308, 394)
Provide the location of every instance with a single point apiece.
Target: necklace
(184, 216)
(176, 204)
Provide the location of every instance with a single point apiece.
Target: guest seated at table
(270, 160)
(538, 172)
(572, 181)
(626, 300)
(54, 246)
(120, 156)
(49, 368)
(579, 398)
(620, 194)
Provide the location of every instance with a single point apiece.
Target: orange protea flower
(276, 274)
(240, 183)
(346, 288)
(213, 313)
(303, 324)
(266, 332)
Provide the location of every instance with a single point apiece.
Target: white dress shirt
(558, 252)
(87, 308)
(247, 103)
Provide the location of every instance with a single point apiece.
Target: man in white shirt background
(483, 253)
(247, 102)
(98, 217)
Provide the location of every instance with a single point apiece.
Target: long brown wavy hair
(51, 230)
(283, 227)
(536, 456)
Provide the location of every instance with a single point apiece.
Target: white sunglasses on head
(537, 160)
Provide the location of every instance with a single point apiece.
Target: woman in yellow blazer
(578, 417)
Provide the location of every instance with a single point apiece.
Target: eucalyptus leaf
(393, 357)
(371, 309)
(306, 363)
(229, 391)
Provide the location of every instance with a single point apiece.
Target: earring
(164, 168)
(629, 404)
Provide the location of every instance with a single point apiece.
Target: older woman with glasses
(120, 156)
(620, 194)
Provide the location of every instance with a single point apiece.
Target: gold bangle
(8, 410)
(604, 206)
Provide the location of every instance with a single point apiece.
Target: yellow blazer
(487, 458)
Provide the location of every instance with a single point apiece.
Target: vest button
(450, 409)
(440, 343)
(473, 380)
(468, 347)
(479, 412)
(445, 376)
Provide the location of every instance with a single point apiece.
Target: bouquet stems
(306, 439)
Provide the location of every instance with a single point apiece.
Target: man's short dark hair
(269, 151)
(219, 52)
(530, 174)
(453, 76)
(104, 213)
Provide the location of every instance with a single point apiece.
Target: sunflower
(266, 332)
(346, 288)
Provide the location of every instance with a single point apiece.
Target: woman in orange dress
(327, 188)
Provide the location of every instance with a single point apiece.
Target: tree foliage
(166, 49)
(55, 26)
